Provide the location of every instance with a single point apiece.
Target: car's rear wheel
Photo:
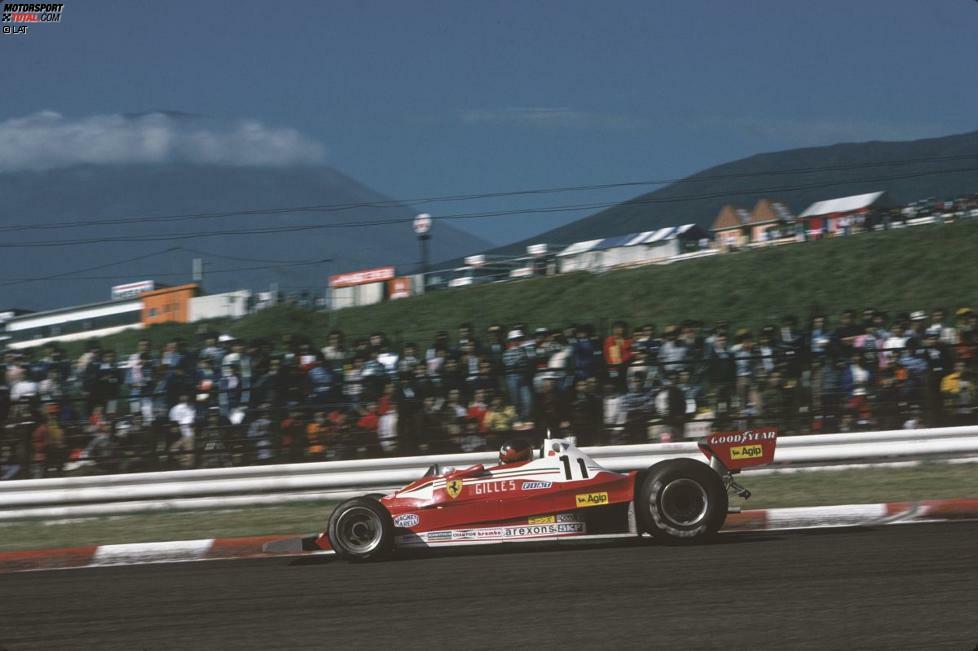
(361, 529)
(681, 501)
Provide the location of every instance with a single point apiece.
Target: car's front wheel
(361, 529)
(681, 501)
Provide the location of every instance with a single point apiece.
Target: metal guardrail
(257, 485)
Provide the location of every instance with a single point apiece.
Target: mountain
(782, 175)
(153, 190)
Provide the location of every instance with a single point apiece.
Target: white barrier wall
(208, 488)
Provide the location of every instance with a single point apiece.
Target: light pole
(422, 228)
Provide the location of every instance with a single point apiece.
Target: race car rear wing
(733, 451)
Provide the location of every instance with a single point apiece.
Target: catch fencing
(280, 484)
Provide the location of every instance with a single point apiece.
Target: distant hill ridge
(97, 192)
(698, 198)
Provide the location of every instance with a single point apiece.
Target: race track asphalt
(903, 586)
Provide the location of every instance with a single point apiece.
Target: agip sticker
(746, 452)
(591, 499)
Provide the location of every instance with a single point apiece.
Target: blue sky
(431, 98)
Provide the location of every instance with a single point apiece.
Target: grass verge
(928, 481)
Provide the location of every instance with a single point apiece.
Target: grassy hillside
(908, 269)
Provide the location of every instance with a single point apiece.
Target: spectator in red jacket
(367, 426)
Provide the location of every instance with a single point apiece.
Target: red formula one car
(556, 494)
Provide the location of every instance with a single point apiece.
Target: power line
(475, 215)
(231, 257)
(95, 268)
(72, 275)
(401, 203)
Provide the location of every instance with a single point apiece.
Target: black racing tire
(681, 501)
(361, 529)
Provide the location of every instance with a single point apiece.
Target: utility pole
(198, 270)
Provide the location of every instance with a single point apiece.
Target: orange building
(168, 304)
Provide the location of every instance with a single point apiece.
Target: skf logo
(453, 487)
(746, 452)
(592, 499)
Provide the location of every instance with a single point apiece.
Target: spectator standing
(139, 378)
(409, 359)
(748, 367)
(617, 353)
(550, 410)
(212, 350)
(499, 419)
(183, 414)
(335, 350)
(353, 385)
(585, 353)
(945, 334)
(670, 404)
(495, 345)
(472, 439)
(672, 352)
(918, 326)
(638, 407)
(316, 440)
(213, 452)
(721, 373)
(260, 436)
(585, 413)
(958, 391)
(790, 346)
(856, 381)
(938, 361)
(387, 421)
(229, 389)
(845, 335)
(517, 368)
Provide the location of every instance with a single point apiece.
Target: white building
(633, 249)
(74, 323)
(232, 305)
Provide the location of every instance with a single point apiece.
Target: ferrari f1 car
(555, 494)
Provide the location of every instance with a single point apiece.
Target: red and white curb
(845, 515)
(177, 551)
(852, 515)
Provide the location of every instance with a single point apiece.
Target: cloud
(549, 117)
(48, 140)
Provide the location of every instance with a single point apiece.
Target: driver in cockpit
(515, 451)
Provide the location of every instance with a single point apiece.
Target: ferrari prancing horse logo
(453, 487)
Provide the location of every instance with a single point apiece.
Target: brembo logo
(743, 437)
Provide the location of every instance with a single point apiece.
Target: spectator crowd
(224, 401)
